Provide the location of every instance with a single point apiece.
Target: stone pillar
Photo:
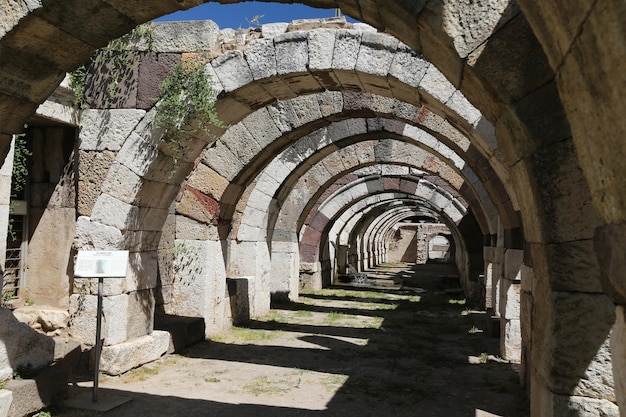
(509, 309)
(285, 271)
(199, 283)
(610, 248)
(422, 245)
(252, 259)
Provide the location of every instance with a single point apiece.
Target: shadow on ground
(414, 350)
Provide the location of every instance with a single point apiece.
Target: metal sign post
(100, 264)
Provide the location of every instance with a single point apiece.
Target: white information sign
(101, 264)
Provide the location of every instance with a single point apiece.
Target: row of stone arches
(559, 187)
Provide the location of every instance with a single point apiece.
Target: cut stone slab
(31, 395)
(117, 359)
(6, 397)
(184, 331)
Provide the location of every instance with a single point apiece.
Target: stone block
(513, 259)
(119, 358)
(153, 69)
(107, 129)
(510, 340)
(609, 243)
(271, 30)
(437, 85)
(184, 331)
(232, 70)
(93, 168)
(115, 213)
(321, 46)
(6, 397)
(291, 53)
(21, 346)
(142, 271)
(189, 229)
(46, 320)
(197, 35)
(32, 394)
(223, 161)
(618, 356)
(240, 294)
(346, 51)
(570, 343)
(124, 316)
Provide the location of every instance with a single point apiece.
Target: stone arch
(571, 35)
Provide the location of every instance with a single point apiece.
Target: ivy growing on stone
(117, 59)
(187, 101)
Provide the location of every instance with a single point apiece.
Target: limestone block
(44, 319)
(461, 106)
(6, 397)
(346, 51)
(240, 293)
(138, 153)
(271, 30)
(197, 35)
(330, 102)
(510, 340)
(107, 129)
(223, 161)
(93, 167)
(142, 271)
(609, 241)
(53, 110)
(232, 70)
(436, 84)
(51, 261)
(321, 47)
(513, 259)
(33, 394)
(123, 316)
(376, 53)
(21, 346)
(261, 126)
(122, 357)
(573, 266)
(285, 275)
(574, 358)
(618, 350)
(189, 229)
(527, 278)
(291, 52)
(112, 212)
(573, 406)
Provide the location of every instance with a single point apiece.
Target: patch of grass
(333, 382)
(264, 386)
(212, 380)
(460, 302)
(140, 374)
(474, 330)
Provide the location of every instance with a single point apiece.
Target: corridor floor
(404, 344)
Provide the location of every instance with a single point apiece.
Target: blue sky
(235, 15)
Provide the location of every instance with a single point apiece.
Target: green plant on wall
(19, 175)
(117, 60)
(187, 103)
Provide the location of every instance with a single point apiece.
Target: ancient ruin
(484, 134)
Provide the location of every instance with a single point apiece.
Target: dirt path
(389, 351)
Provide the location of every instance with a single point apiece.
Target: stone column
(510, 331)
(252, 259)
(285, 271)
